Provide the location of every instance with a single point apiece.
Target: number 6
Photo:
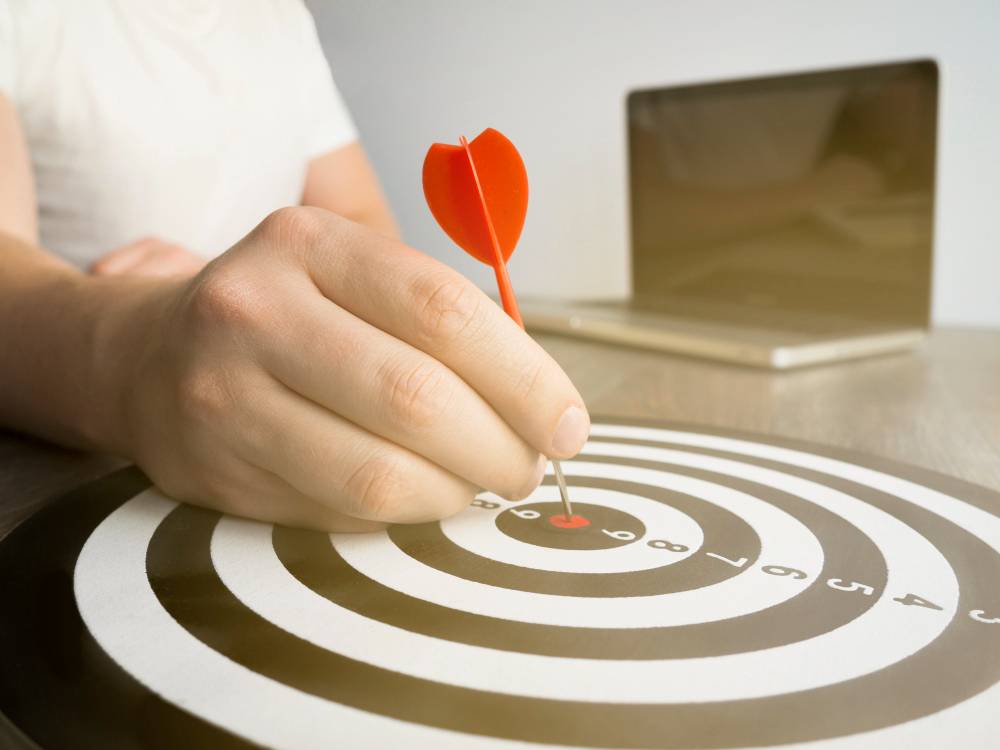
(625, 536)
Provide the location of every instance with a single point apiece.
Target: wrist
(67, 344)
(125, 315)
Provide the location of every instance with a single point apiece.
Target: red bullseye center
(575, 522)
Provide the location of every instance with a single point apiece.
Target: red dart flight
(478, 192)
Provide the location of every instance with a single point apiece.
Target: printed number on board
(735, 563)
(625, 536)
(912, 600)
(485, 504)
(662, 544)
(779, 570)
(837, 583)
(526, 514)
(977, 615)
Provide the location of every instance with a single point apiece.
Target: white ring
(123, 614)
(116, 602)
(245, 560)
(784, 541)
(969, 517)
(475, 530)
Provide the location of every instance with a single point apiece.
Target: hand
(322, 375)
(149, 257)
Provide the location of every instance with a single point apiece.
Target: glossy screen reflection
(807, 195)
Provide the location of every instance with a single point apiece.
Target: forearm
(344, 183)
(379, 218)
(64, 343)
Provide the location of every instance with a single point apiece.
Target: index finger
(435, 309)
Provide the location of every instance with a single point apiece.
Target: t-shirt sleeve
(326, 122)
(23, 24)
(8, 51)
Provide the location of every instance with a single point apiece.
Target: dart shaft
(508, 299)
(561, 480)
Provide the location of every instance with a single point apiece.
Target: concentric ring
(430, 545)
(817, 595)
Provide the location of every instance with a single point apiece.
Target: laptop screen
(806, 194)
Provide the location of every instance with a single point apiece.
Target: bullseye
(542, 525)
(575, 522)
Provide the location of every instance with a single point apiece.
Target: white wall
(553, 75)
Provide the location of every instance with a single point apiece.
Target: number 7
(735, 563)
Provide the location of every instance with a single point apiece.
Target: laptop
(778, 222)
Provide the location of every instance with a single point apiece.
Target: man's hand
(320, 374)
(149, 256)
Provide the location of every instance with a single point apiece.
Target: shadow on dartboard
(721, 590)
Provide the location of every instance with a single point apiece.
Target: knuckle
(205, 395)
(375, 489)
(202, 486)
(512, 463)
(227, 300)
(294, 225)
(416, 394)
(217, 489)
(517, 469)
(447, 307)
(527, 385)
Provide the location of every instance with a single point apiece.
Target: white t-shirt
(189, 120)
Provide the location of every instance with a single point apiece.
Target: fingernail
(571, 432)
(532, 485)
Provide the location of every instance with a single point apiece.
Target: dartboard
(719, 590)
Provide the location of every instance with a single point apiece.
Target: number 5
(836, 583)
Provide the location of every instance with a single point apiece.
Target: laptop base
(769, 348)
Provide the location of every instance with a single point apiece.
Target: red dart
(478, 192)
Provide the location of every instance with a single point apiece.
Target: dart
(478, 193)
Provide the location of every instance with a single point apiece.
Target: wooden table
(937, 407)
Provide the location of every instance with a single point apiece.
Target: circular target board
(716, 590)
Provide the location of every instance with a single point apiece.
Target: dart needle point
(567, 508)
